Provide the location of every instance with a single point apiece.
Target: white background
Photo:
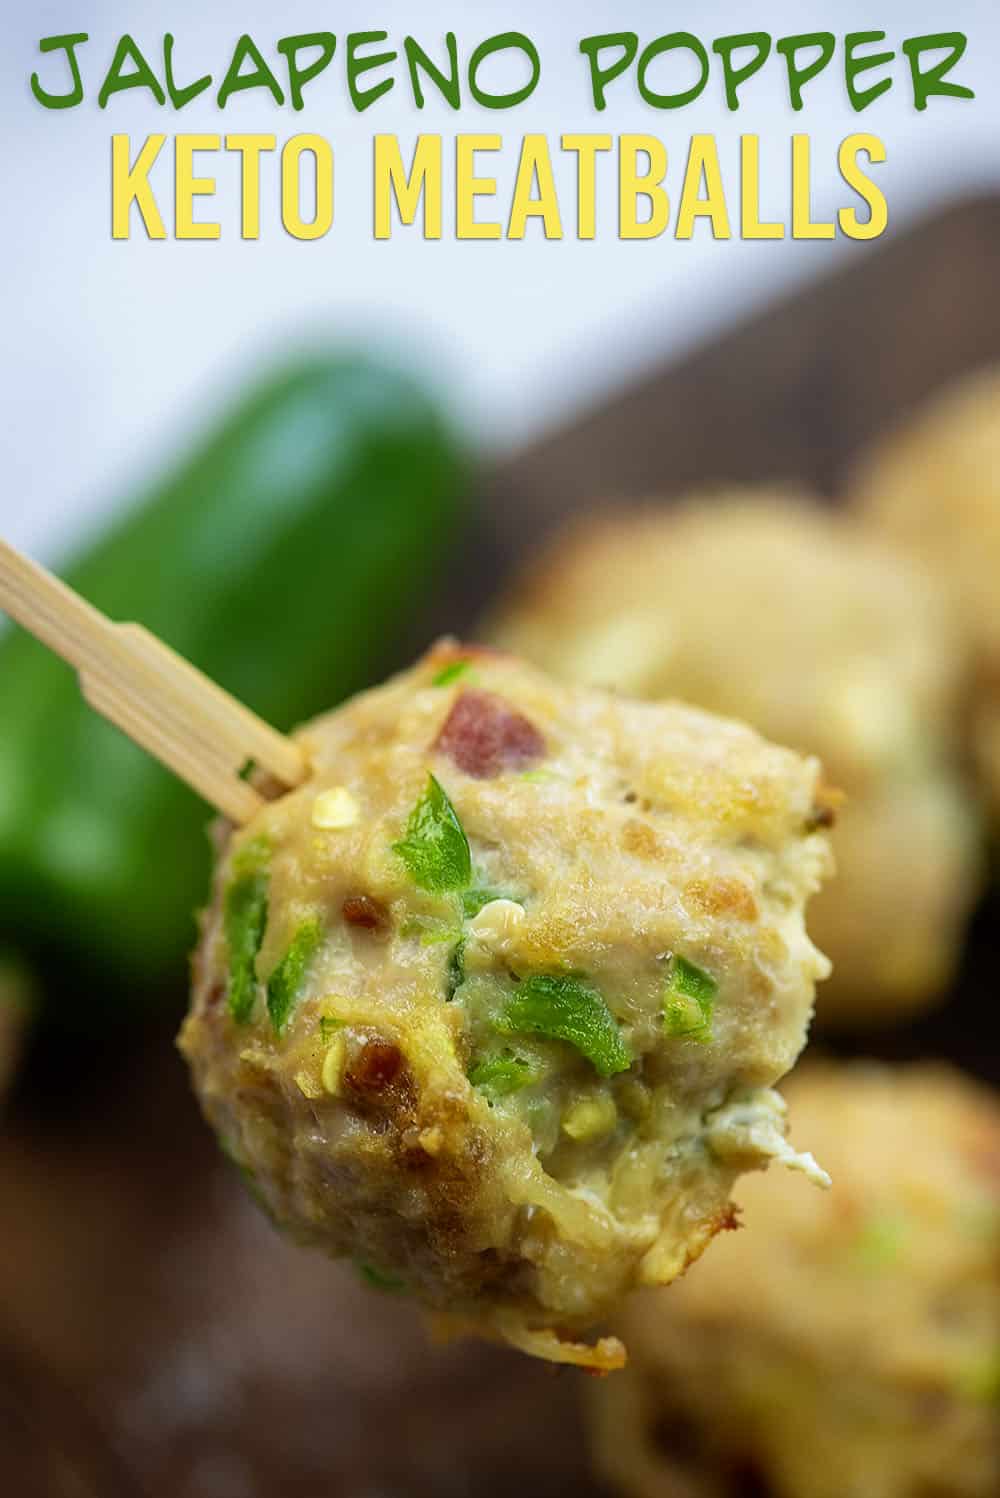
(114, 351)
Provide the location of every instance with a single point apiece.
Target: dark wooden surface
(793, 393)
(156, 1338)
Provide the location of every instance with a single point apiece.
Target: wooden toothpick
(160, 700)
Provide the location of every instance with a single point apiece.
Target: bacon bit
(483, 735)
(375, 1065)
(415, 1157)
(363, 911)
(215, 995)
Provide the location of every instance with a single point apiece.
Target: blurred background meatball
(766, 606)
(852, 1345)
(933, 488)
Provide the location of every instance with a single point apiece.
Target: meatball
(493, 1004)
(765, 606)
(933, 488)
(842, 1346)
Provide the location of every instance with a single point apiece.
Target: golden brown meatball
(766, 607)
(494, 1003)
(933, 488)
(842, 1345)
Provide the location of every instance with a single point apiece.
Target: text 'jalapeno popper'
(493, 1004)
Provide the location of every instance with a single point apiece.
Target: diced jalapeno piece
(563, 1008)
(452, 672)
(435, 849)
(499, 1076)
(244, 923)
(690, 1000)
(285, 982)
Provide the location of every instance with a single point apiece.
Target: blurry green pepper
(283, 557)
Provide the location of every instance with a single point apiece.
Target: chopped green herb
(450, 673)
(378, 1279)
(455, 975)
(537, 777)
(247, 768)
(690, 999)
(435, 848)
(431, 933)
(244, 921)
(329, 1025)
(566, 1009)
(286, 980)
(473, 900)
(499, 1076)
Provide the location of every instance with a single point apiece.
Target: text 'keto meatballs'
(933, 488)
(769, 608)
(844, 1346)
(493, 1004)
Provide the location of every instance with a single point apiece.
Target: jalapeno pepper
(284, 557)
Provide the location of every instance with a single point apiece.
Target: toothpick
(160, 700)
